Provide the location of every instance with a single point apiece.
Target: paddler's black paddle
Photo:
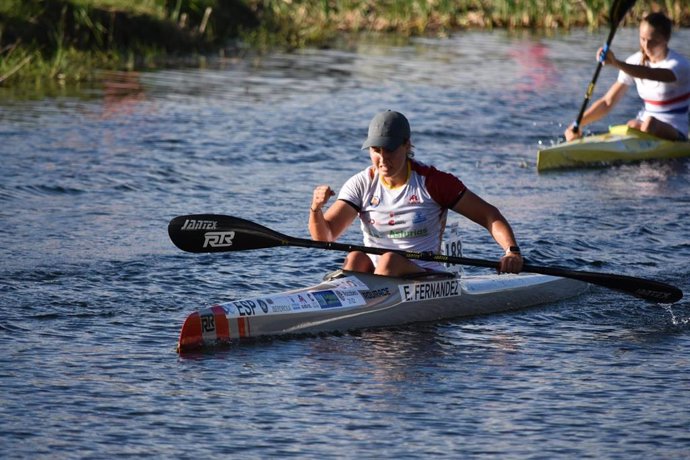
(218, 233)
(618, 10)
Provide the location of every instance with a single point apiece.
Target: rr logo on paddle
(218, 239)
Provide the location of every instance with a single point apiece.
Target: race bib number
(452, 246)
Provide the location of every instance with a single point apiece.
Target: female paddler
(403, 204)
(662, 78)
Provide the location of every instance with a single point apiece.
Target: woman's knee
(358, 261)
(392, 264)
(648, 124)
(636, 124)
(659, 129)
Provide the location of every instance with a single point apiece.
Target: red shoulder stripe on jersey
(444, 188)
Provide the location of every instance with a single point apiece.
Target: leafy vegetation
(68, 39)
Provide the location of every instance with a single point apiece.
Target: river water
(93, 294)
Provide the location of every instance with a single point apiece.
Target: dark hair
(660, 23)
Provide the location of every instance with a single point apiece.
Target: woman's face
(390, 163)
(652, 43)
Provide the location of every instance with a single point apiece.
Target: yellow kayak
(620, 144)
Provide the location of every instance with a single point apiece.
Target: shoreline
(73, 40)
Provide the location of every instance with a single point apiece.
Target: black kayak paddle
(618, 10)
(202, 233)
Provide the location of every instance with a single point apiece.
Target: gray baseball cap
(388, 130)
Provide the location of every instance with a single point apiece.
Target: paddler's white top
(667, 102)
(409, 218)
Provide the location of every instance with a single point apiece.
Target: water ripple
(94, 293)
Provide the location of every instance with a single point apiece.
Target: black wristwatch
(513, 249)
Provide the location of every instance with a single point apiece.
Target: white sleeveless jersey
(667, 102)
(409, 218)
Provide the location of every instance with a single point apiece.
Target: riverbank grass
(69, 39)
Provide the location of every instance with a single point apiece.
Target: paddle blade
(618, 11)
(219, 233)
(649, 290)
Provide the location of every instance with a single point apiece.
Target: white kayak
(620, 144)
(346, 301)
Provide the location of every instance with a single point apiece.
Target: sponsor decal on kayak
(333, 298)
(290, 303)
(375, 293)
(350, 297)
(278, 306)
(429, 290)
(271, 305)
(327, 299)
(350, 282)
(208, 323)
(214, 324)
(251, 307)
(314, 300)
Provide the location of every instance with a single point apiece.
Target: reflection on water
(122, 94)
(94, 293)
(538, 71)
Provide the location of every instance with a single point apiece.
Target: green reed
(68, 39)
(296, 23)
